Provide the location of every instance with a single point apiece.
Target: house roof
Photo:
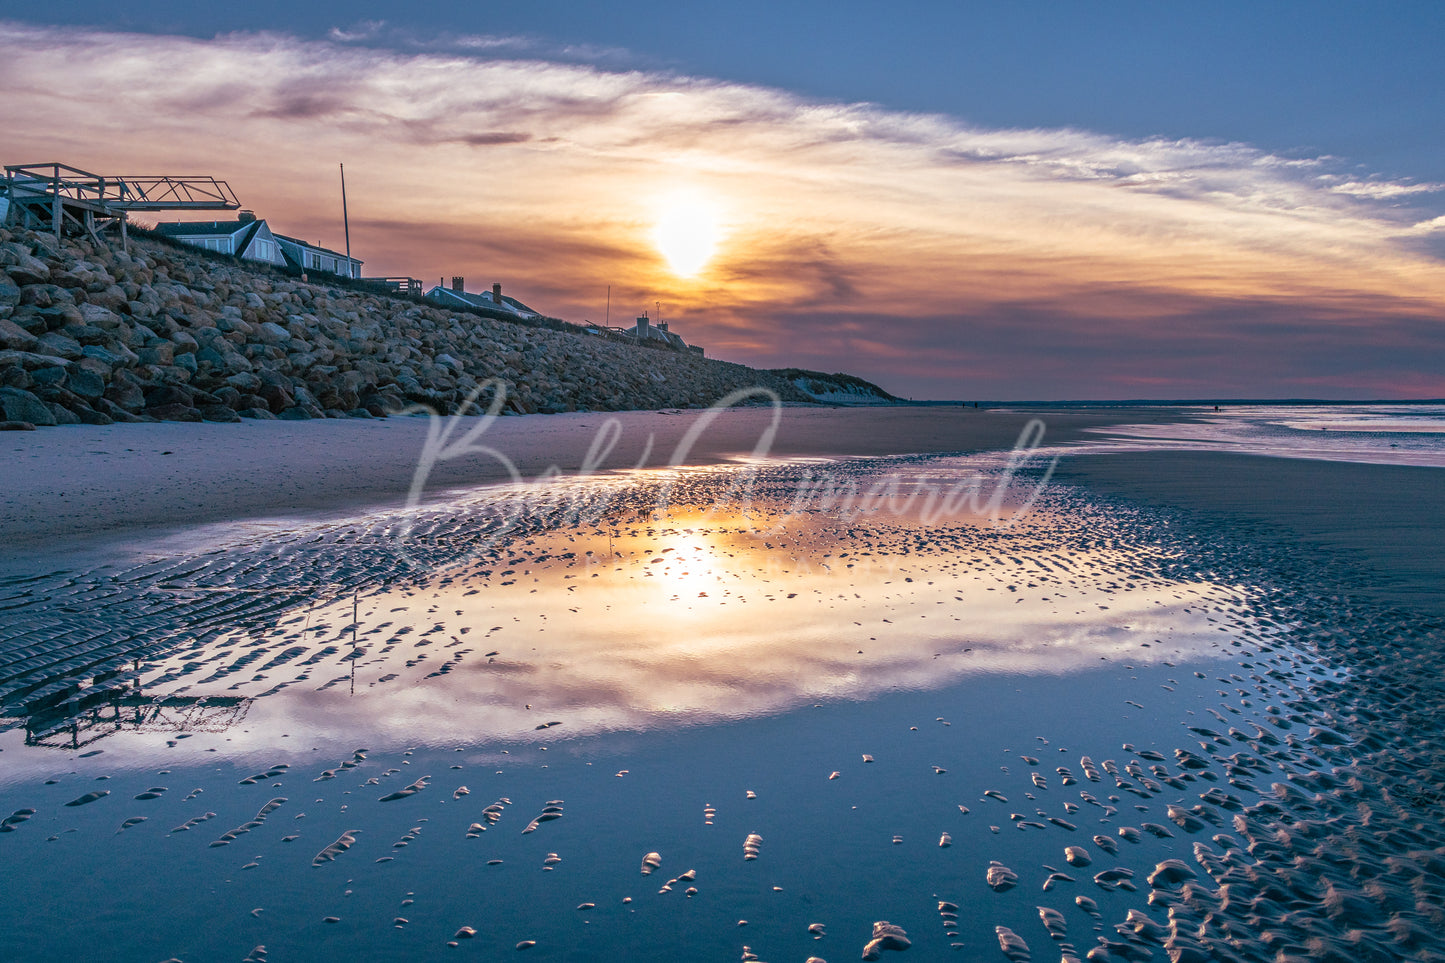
(203, 228)
(313, 247)
(479, 300)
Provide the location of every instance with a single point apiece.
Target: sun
(687, 232)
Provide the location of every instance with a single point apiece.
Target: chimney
(245, 217)
(459, 284)
(642, 325)
(662, 325)
(497, 292)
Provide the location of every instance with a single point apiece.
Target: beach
(878, 685)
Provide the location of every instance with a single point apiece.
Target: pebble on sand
(1000, 878)
(886, 936)
(89, 797)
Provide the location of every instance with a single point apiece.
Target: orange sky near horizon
(937, 259)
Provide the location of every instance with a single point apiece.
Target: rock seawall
(91, 334)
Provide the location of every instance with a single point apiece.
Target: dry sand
(79, 484)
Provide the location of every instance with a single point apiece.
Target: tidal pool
(464, 730)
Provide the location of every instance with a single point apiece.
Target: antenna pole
(346, 222)
(608, 323)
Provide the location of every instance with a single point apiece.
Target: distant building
(313, 257)
(645, 331)
(457, 297)
(247, 238)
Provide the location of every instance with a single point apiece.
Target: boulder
(96, 316)
(113, 411)
(220, 413)
(21, 266)
(126, 392)
(21, 405)
(51, 376)
(84, 382)
(89, 416)
(172, 412)
(169, 394)
(57, 344)
(277, 398)
(113, 354)
(15, 338)
(162, 353)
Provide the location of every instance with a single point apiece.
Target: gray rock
(62, 414)
(172, 412)
(16, 426)
(294, 413)
(84, 382)
(125, 391)
(22, 267)
(219, 413)
(21, 405)
(272, 333)
(55, 343)
(14, 376)
(170, 394)
(162, 353)
(84, 334)
(51, 376)
(260, 414)
(15, 338)
(89, 416)
(100, 317)
(114, 354)
(244, 381)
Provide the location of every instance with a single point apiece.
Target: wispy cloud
(899, 245)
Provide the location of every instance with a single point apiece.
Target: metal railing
(132, 192)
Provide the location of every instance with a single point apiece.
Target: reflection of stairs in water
(71, 726)
(83, 655)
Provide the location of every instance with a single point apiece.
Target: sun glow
(687, 232)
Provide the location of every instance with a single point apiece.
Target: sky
(955, 200)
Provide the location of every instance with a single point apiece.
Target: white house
(247, 238)
(313, 257)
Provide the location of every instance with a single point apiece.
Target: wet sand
(1210, 732)
(1382, 526)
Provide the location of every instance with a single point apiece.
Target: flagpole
(346, 223)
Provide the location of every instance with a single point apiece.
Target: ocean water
(1369, 434)
(819, 696)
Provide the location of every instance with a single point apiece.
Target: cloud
(928, 253)
(1384, 190)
